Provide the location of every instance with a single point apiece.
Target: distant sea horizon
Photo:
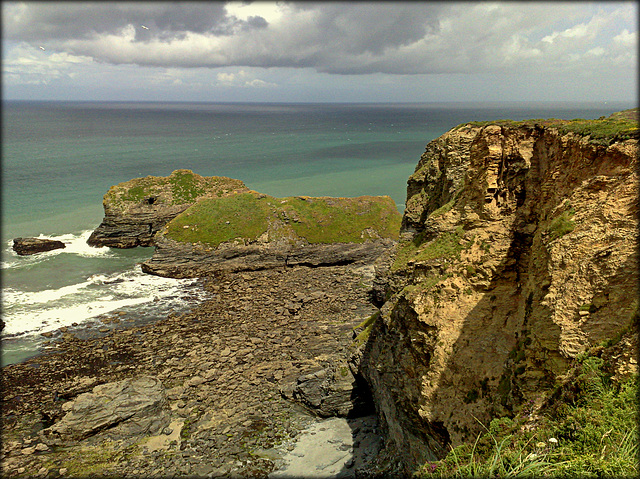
(60, 157)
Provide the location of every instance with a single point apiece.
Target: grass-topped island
(204, 224)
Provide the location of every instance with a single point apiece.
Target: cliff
(518, 252)
(135, 210)
(253, 231)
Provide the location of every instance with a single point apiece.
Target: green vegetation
(605, 131)
(91, 461)
(443, 209)
(136, 193)
(247, 216)
(562, 225)
(366, 326)
(215, 220)
(331, 220)
(182, 186)
(589, 430)
(447, 244)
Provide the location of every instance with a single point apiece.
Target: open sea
(60, 158)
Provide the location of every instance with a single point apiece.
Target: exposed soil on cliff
(223, 364)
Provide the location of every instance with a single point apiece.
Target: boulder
(329, 392)
(28, 246)
(121, 409)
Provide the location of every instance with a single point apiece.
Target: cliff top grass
(619, 126)
(179, 188)
(248, 216)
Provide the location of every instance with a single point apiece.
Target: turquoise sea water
(59, 158)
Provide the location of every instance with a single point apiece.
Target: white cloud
(270, 11)
(626, 39)
(241, 79)
(30, 65)
(343, 38)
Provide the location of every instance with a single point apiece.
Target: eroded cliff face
(134, 211)
(518, 252)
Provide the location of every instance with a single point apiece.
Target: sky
(320, 51)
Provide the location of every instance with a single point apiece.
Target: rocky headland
(136, 209)
(516, 257)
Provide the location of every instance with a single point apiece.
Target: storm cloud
(344, 38)
(339, 39)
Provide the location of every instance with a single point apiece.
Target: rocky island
(504, 300)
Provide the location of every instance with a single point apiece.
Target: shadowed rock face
(137, 209)
(517, 253)
(28, 246)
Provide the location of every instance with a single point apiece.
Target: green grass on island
(248, 216)
(605, 130)
(179, 188)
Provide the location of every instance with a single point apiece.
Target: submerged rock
(28, 246)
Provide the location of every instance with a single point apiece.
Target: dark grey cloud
(358, 27)
(41, 21)
(333, 37)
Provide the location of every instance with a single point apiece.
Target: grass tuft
(592, 432)
(562, 225)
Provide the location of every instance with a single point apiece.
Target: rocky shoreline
(243, 373)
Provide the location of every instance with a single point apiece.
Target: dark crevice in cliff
(289, 264)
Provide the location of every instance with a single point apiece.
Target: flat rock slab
(126, 408)
(28, 246)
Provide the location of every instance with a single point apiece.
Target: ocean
(60, 158)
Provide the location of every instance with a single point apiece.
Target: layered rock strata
(187, 260)
(121, 409)
(253, 231)
(134, 211)
(29, 246)
(518, 252)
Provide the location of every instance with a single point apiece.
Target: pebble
(27, 451)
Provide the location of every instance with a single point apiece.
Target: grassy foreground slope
(588, 428)
(250, 217)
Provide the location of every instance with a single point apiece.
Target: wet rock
(29, 246)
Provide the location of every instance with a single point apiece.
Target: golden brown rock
(518, 253)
